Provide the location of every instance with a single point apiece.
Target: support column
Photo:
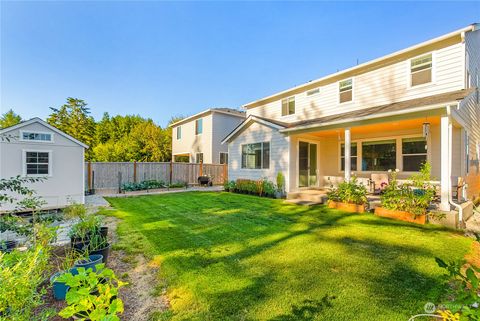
(444, 164)
(348, 164)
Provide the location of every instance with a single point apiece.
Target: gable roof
(44, 123)
(257, 119)
(450, 38)
(225, 111)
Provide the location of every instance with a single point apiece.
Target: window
(199, 158)
(37, 163)
(414, 153)
(353, 157)
(379, 155)
(345, 88)
(182, 158)
(421, 70)
(256, 155)
(43, 137)
(288, 106)
(198, 126)
(223, 158)
(313, 91)
(179, 132)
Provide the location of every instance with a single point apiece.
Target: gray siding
(222, 126)
(279, 153)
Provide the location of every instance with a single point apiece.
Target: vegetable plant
(93, 295)
(349, 192)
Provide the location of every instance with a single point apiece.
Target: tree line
(113, 138)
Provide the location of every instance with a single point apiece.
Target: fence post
(225, 173)
(134, 171)
(119, 182)
(201, 168)
(89, 176)
(93, 182)
(171, 172)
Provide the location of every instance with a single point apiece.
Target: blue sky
(160, 59)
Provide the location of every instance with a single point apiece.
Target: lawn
(238, 257)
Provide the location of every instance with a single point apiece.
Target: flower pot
(347, 207)
(104, 252)
(59, 288)
(80, 246)
(92, 260)
(8, 246)
(400, 215)
(104, 231)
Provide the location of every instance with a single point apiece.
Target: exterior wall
(279, 154)
(191, 143)
(222, 125)
(67, 177)
(376, 87)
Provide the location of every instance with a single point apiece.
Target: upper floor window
(421, 70)
(288, 106)
(223, 158)
(198, 126)
(43, 137)
(345, 88)
(256, 156)
(312, 92)
(179, 132)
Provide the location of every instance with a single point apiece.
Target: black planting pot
(86, 239)
(104, 231)
(8, 246)
(104, 252)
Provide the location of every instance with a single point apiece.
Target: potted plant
(89, 262)
(99, 245)
(93, 295)
(59, 288)
(349, 196)
(408, 201)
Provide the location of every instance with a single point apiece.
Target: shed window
(288, 106)
(45, 137)
(256, 156)
(37, 163)
(345, 88)
(421, 70)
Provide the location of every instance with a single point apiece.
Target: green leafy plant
(349, 192)
(177, 185)
(92, 295)
(462, 285)
(86, 227)
(144, 185)
(414, 196)
(229, 186)
(262, 187)
(280, 182)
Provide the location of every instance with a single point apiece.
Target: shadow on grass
(307, 310)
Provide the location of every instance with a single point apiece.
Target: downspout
(450, 157)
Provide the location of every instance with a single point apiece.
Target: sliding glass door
(307, 164)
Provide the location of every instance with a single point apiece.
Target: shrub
(414, 196)
(349, 192)
(262, 187)
(178, 185)
(229, 186)
(148, 184)
(280, 182)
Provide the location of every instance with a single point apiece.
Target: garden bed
(347, 207)
(400, 215)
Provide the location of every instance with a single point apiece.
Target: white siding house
(199, 138)
(36, 149)
(371, 118)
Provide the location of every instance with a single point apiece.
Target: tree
(9, 119)
(74, 119)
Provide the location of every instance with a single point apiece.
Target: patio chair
(378, 182)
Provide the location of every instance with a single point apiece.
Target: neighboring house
(394, 112)
(197, 139)
(34, 148)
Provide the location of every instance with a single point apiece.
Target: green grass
(238, 257)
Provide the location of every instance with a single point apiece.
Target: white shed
(34, 148)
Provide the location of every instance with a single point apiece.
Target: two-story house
(395, 112)
(197, 139)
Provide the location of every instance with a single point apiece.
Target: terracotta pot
(347, 207)
(400, 215)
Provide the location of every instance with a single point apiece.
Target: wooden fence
(111, 175)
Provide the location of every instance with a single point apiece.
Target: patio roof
(398, 108)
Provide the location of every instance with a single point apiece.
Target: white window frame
(402, 154)
(196, 126)
(295, 105)
(261, 155)
(179, 128)
(315, 91)
(220, 157)
(353, 91)
(409, 70)
(37, 141)
(196, 158)
(24, 163)
(399, 154)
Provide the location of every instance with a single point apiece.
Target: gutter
(450, 156)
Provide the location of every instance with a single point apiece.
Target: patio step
(312, 196)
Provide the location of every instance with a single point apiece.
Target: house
(197, 139)
(34, 148)
(395, 112)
